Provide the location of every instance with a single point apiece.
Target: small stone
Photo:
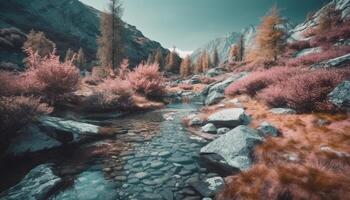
(164, 154)
(223, 130)
(107, 169)
(266, 129)
(282, 111)
(157, 164)
(120, 178)
(141, 175)
(209, 128)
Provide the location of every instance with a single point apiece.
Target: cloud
(182, 53)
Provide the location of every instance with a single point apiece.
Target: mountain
(70, 24)
(297, 33)
(223, 44)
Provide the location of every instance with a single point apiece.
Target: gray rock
(214, 72)
(282, 111)
(157, 164)
(235, 146)
(209, 128)
(167, 194)
(37, 184)
(31, 139)
(141, 175)
(223, 130)
(266, 129)
(68, 130)
(308, 51)
(221, 86)
(194, 120)
(340, 96)
(209, 187)
(335, 62)
(214, 97)
(229, 118)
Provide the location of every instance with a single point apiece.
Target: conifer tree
(216, 60)
(329, 17)
(81, 60)
(270, 37)
(69, 55)
(38, 42)
(110, 51)
(173, 62)
(186, 67)
(158, 58)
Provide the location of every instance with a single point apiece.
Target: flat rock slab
(37, 184)
(230, 118)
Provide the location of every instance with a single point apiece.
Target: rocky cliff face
(224, 44)
(70, 24)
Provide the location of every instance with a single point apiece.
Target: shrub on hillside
(257, 81)
(14, 84)
(147, 80)
(18, 111)
(305, 91)
(313, 58)
(110, 95)
(55, 78)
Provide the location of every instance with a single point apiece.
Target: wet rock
(120, 178)
(164, 154)
(214, 97)
(229, 118)
(67, 131)
(266, 129)
(180, 159)
(157, 164)
(167, 194)
(209, 128)
(221, 86)
(151, 196)
(282, 111)
(31, 139)
(209, 187)
(223, 130)
(37, 184)
(335, 62)
(340, 96)
(235, 146)
(141, 175)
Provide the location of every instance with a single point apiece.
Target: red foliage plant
(147, 80)
(257, 81)
(313, 58)
(17, 111)
(331, 36)
(55, 78)
(111, 94)
(305, 91)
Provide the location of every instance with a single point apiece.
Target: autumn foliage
(147, 80)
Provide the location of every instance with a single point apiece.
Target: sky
(189, 24)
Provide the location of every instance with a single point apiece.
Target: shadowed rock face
(70, 24)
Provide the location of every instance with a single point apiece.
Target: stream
(155, 159)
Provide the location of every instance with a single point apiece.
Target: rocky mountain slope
(223, 44)
(70, 24)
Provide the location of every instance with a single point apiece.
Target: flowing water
(155, 159)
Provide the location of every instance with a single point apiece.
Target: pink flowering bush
(305, 91)
(18, 111)
(257, 81)
(54, 78)
(147, 80)
(111, 94)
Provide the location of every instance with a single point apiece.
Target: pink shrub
(13, 84)
(112, 94)
(257, 81)
(319, 57)
(16, 112)
(147, 80)
(55, 78)
(329, 37)
(305, 91)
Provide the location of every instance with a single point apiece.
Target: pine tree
(329, 17)
(110, 51)
(69, 55)
(240, 49)
(173, 62)
(38, 42)
(186, 65)
(158, 58)
(216, 60)
(233, 55)
(270, 37)
(206, 63)
(199, 64)
(81, 60)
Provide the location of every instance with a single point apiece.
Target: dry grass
(309, 161)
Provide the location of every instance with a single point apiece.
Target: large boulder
(235, 147)
(335, 62)
(221, 86)
(229, 118)
(68, 131)
(340, 96)
(31, 139)
(38, 184)
(214, 97)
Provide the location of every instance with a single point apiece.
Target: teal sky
(188, 24)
